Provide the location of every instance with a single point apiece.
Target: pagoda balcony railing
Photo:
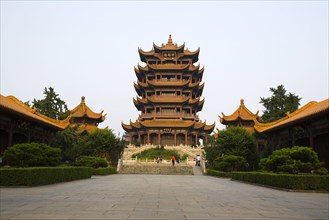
(170, 95)
(170, 80)
(170, 114)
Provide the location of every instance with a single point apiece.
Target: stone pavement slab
(159, 197)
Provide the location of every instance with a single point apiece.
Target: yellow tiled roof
(209, 128)
(168, 99)
(126, 126)
(167, 123)
(12, 104)
(168, 83)
(167, 66)
(84, 127)
(242, 112)
(188, 52)
(307, 111)
(169, 46)
(82, 110)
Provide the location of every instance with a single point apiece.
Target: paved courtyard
(159, 197)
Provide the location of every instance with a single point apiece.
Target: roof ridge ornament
(169, 40)
(241, 101)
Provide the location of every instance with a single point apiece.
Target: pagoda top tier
(169, 51)
(82, 110)
(241, 112)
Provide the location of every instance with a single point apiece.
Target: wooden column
(139, 138)
(292, 134)
(148, 137)
(175, 140)
(186, 138)
(10, 135)
(310, 133)
(159, 135)
(29, 135)
(196, 140)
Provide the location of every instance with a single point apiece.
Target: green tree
(51, 106)
(212, 152)
(103, 143)
(229, 163)
(32, 154)
(237, 141)
(91, 161)
(69, 142)
(278, 104)
(293, 160)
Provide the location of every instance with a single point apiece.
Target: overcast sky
(87, 48)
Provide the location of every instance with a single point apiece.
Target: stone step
(156, 169)
(197, 171)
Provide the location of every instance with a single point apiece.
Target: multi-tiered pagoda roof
(169, 88)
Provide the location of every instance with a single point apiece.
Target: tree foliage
(279, 104)
(91, 161)
(51, 106)
(293, 160)
(154, 153)
(234, 141)
(229, 163)
(32, 154)
(69, 142)
(237, 141)
(103, 143)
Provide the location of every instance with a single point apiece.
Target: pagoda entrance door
(167, 139)
(154, 139)
(180, 139)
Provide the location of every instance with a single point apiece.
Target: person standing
(173, 160)
(197, 160)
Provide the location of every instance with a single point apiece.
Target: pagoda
(241, 117)
(169, 92)
(84, 119)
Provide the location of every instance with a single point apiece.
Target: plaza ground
(159, 197)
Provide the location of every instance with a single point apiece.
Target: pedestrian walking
(173, 160)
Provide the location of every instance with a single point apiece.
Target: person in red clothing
(173, 160)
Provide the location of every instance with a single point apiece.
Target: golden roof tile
(82, 110)
(135, 124)
(209, 128)
(242, 112)
(167, 123)
(126, 127)
(309, 110)
(168, 99)
(199, 124)
(168, 83)
(12, 104)
(84, 127)
(169, 46)
(167, 66)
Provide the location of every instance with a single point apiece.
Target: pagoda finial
(82, 99)
(241, 102)
(169, 40)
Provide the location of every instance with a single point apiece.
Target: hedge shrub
(293, 160)
(34, 176)
(229, 163)
(218, 173)
(91, 161)
(104, 171)
(32, 155)
(288, 181)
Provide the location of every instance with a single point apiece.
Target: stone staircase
(156, 169)
(129, 165)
